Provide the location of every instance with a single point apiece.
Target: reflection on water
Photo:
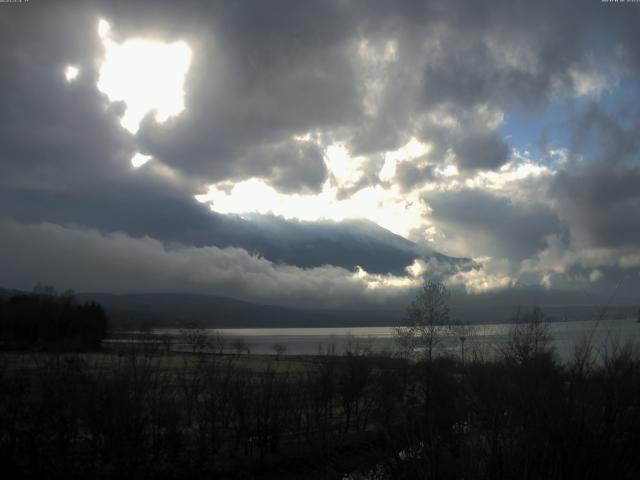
(308, 341)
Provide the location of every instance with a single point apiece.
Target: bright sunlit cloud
(347, 170)
(375, 281)
(398, 212)
(412, 150)
(139, 159)
(479, 281)
(103, 28)
(71, 73)
(146, 75)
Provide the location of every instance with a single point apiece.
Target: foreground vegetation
(516, 413)
(69, 410)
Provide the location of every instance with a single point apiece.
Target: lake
(310, 341)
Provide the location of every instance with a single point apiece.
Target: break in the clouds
(333, 150)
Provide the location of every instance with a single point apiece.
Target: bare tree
(529, 338)
(239, 345)
(217, 342)
(427, 318)
(279, 348)
(195, 337)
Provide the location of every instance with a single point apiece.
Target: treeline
(512, 413)
(45, 320)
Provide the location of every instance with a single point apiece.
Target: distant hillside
(151, 310)
(177, 309)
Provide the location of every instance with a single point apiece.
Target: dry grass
(24, 362)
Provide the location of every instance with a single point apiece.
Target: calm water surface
(309, 341)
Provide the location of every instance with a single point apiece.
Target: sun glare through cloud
(397, 211)
(103, 28)
(412, 150)
(139, 160)
(387, 207)
(71, 73)
(147, 75)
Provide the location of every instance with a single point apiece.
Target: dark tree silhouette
(46, 321)
(427, 316)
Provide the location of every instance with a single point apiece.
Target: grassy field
(30, 362)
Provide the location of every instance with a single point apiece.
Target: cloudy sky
(326, 154)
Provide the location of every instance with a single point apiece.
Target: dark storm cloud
(493, 226)
(409, 175)
(601, 203)
(518, 53)
(593, 282)
(296, 166)
(54, 136)
(264, 72)
(599, 193)
(65, 159)
(503, 54)
(481, 151)
(599, 135)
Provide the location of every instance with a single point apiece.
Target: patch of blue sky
(550, 127)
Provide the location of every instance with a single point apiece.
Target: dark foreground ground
(517, 413)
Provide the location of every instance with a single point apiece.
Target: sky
(329, 154)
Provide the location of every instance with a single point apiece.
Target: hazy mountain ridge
(176, 309)
(148, 310)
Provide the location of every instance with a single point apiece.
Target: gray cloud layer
(89, 261)
(492, 225)
(263, 72)
(600, 194)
